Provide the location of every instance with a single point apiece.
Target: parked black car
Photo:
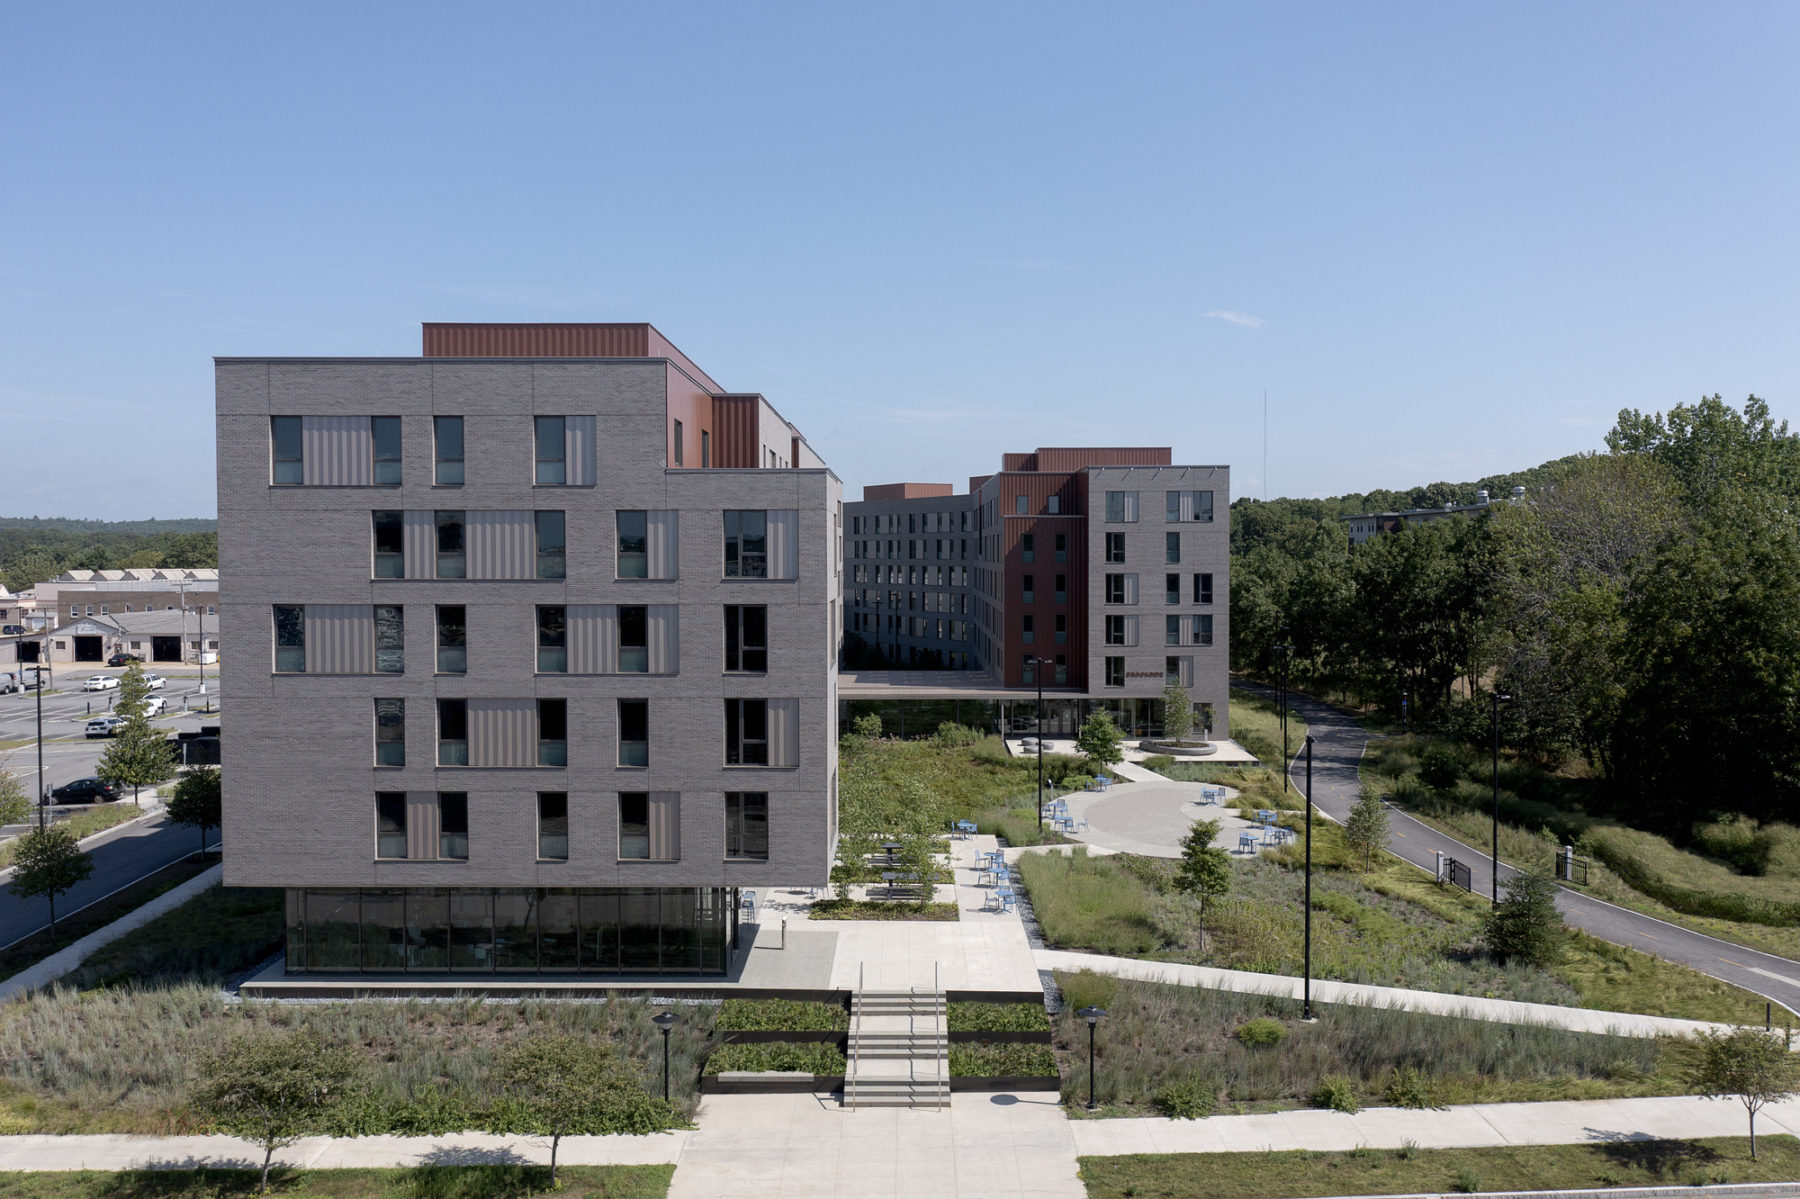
(124, 659)
(86, 791)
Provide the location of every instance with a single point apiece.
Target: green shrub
(997, 1017)
(1261, 1031)
(1157, 762)
(1337, 1093)
(1089, 902)
(1439, 767)
(1467, 1180)
(807, 1057)
(956, 736)
(780, 1015)
(867, 725)
(1408, 1087)
(989, 1059)
(1087, 989)
(1189, 1099)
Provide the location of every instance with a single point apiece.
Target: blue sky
(1446, 239)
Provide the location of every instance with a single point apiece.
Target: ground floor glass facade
(511, 931)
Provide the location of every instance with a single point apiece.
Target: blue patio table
(1247, 842)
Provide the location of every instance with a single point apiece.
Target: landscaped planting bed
(879, 909)
(1187, 1051)
(997, 1022)
(416, 1182)
(780, 1016)
(807, 1057)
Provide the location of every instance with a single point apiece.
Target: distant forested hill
(36, 549)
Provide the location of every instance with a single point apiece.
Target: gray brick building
(534, 650)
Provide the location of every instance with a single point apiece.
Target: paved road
(1338, 743)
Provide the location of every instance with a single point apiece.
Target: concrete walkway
(1470, 1007)
(1472, 1126)
(119, 1152)
(806, 1147)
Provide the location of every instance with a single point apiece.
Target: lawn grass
(1089, 903)
(1300, 1173)
(417, 1182)
(879, 909)
(71, 928)
(1158, 1037)
(87, 821)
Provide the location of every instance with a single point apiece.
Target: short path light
(1092, 1015)
(665, 1021)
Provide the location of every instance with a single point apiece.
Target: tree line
(1641, 607)
(35, 550)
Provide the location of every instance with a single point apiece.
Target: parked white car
(155, 682)
(101, 682)
(104, 726)
(154, 705)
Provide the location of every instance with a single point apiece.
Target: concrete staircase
(899, 1050)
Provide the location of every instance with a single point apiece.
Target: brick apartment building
(534, 652)
(1106, 569)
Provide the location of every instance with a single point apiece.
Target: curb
(1750, 1190)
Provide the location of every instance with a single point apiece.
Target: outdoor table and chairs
(965, 827)
(1102, 782)
(1247, 841)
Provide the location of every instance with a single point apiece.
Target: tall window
(1062, 629)
(1171, 589)
(1115, 506)
(552, 561)
(634, 545)
(1171, 547)
(452, 560)
(290, 639)
(705, 449)
(746, 732)
(390, 824)
(1115, 672)
(552, 452)
(1115, 547)
(1171, 630)
(447, 439)
(746, 638)
(1062, 589)
(1053, 504)
(453, 825)
(634, 639)
(390, 732)
(747, 825)
(634, 732)
(678, 450)
(1115, 589)
(1019, 505)
(1172, 671)
(1188, 505)
(634, 824)
(1028, 588)
(453, 732)
(390, 639)
(553, 826)
(390, 544)
(552, 639)
(746, 544)
(1062, 547)
(286, 450)
(553, 732)
(452, 639)
(1203, 590)
(1029, 628)
(385, 432)
(1115, 630)
(1203, 629)
(1028, 548)
(1172, 505)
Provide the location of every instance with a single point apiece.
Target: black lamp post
(1092, 1015)
(1405, 713)
(1499, 698)
(1306, 1012)
(42, 782)
(1037, 672)
(665, 1021)
(1286, 650)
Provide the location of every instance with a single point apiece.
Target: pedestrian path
(1572, 1122)
(1472, 1007)
(123, 1152)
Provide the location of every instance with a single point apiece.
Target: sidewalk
(1471, 1007)
(121, 1152)
(1473, 1126)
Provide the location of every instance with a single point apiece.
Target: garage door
(88, 649)
(165, 649)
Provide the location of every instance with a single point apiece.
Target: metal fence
(1458, 874)
(1570, 868)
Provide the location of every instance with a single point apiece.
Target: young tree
(275, 1087)
(138, 753)
(1178, 712)
(1749, 1064)
(1100, 739)
(1367, 828)
(48, 862)
(15, 805)
(563, 1084)
(1526, 925)
(1205, 870)
(197, 800)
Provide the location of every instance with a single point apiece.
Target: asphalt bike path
(1338, 742)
